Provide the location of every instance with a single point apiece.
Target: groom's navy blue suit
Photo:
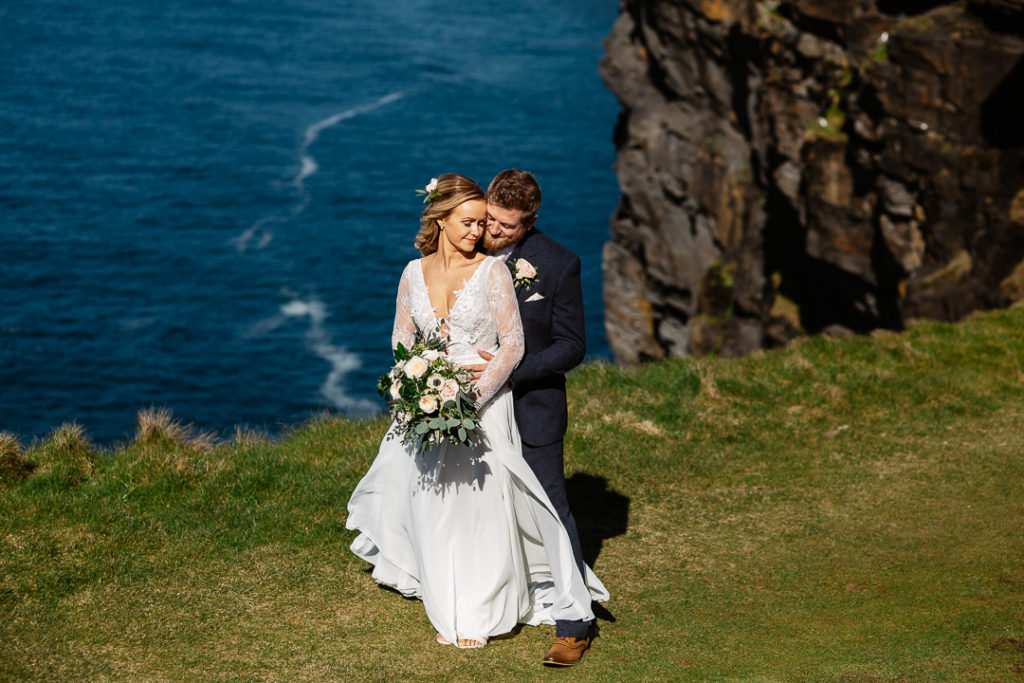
(552, 313)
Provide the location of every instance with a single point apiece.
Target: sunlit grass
(837, 510)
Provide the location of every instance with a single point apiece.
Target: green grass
(839, 510)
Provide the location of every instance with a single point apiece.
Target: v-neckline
(458, 295)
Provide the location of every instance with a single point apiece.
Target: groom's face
(505, 227)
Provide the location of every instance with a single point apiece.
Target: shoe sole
(565, 664)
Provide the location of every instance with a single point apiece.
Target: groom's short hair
(515, 189)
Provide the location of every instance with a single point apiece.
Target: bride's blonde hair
(452, 190)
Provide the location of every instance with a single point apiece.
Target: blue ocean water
(207, 206)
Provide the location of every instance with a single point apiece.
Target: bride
(469, 531)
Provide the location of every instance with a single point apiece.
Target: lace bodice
(485, 317)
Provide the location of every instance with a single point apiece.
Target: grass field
(839, 510)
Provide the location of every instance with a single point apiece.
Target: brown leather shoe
(566, 651)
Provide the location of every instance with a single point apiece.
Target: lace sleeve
(501, 299)
(404, 330)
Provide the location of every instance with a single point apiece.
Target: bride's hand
(479, 368)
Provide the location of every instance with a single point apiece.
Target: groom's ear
(529, 223)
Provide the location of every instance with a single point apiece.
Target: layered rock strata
(791, 167)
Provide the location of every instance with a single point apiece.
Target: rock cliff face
(811, 165)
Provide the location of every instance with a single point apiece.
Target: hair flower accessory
(523, 272)
(430, 192)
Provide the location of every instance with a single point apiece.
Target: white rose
(525, 269)
(396, 389)
(431, 355)
(449, 391)
(432, 185)
(428, 403)
(415, 367)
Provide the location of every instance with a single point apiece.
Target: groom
(547, 280)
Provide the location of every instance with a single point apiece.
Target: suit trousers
(547, 463)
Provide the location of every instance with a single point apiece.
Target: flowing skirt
(471, 533)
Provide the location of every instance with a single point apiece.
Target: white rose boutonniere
(523, 272)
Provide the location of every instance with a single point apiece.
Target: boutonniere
(523, 272)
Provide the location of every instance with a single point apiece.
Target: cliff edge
(807, 166)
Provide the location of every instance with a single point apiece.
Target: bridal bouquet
(429, 397)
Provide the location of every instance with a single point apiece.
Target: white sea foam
(342, 361)
(263, 327)
(313, 132)
(307, 166)
(258, 228)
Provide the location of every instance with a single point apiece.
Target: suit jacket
(552, 313)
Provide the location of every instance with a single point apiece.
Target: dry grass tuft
(13, 466)
(155, 424)
(67, 454)
(71, 436)
(10, 446)
(245, 436)
(833, 394)
(629, 420)
(158, 426)
(799, 362)
(708, 388)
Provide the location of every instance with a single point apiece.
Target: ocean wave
(259, 235)
(341, 360)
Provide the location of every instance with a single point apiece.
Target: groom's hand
(479, 368)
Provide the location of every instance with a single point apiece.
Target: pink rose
(449, 391)
(525, 269)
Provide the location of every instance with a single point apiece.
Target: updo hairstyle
(454, 189)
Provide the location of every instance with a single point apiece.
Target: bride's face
(465, 225)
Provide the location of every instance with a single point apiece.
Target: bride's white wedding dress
(469, 531)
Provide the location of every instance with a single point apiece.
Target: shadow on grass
(600, 512)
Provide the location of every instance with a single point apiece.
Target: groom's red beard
(495, 244)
